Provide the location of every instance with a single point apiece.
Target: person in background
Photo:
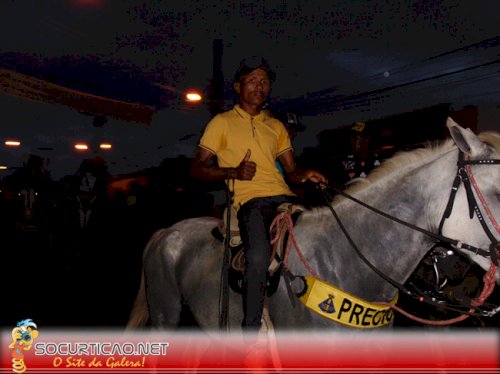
(359, 162)
(292, 125)
(246, 141)
(308, 196)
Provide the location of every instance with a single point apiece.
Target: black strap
(436, 236)
(399, 286)
(468, 190)
(289, 278)
(461, 176)
(226, 260)
(473, 205)
(451, 201)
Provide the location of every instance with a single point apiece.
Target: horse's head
(475, 216)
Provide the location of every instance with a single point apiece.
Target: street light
(12, 143)
(193, 96)
(81, 147)
(85, 147)
(105, 146)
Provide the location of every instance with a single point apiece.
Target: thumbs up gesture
(246, 169)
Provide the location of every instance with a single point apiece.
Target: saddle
(238, 260)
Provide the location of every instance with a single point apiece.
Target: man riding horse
(247, 141)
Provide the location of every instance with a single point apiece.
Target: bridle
(464, 175)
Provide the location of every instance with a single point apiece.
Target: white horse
(182, 263)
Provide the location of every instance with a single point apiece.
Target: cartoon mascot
(22, 339)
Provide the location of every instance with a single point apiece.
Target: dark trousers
(255, 218)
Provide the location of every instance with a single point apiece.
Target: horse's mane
(402, 159)
(407, 159)
(491, 138)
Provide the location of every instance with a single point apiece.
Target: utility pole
(216, 87)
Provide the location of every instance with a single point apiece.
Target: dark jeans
(255, 218)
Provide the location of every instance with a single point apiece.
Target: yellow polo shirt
(230, 134)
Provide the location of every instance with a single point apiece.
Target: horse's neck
(416, 196)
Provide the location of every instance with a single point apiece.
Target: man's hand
(314, 176)
(246, 169)
(302, 176)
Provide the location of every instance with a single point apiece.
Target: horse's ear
(468, 142)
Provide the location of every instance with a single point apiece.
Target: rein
(422, 298)
(488, 278)
(464, 174)
(439, 237)
(224, 280)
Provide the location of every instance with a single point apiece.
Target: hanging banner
(26, 87)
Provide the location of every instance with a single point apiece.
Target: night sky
(150, 52)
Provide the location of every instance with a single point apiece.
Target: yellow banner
(344, 308)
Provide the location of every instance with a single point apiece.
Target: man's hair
(247, 65)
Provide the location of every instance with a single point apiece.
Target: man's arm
(296, 174)
(203, 167)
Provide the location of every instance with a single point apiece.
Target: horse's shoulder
(189, 227)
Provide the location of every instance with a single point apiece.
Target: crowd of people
(74, 243)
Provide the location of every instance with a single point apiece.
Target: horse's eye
(26, 337)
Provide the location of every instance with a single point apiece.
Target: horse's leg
(163, 292)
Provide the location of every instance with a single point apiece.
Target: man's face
(253, 88)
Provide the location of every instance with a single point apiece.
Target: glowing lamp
(81, 147)
(193, 96)
(3, 167)
(105, 146)
(12, 143)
